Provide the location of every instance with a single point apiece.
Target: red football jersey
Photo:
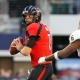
(42, 46)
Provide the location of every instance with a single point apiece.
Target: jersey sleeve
(74, 36)
(33, 29)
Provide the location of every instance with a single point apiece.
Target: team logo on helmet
(38, 11)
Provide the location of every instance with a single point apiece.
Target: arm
(66, 51)
(72, 47)
(26, 50)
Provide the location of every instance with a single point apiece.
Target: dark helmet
(35, 11)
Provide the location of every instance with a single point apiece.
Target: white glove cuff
(56, 55)
(41, 60)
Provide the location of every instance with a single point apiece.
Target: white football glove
(41, 60)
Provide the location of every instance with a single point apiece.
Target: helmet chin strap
(28, 23)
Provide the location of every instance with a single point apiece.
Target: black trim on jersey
(38, 32)
(31, 41)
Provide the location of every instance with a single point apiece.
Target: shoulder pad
(74, 36)
(33, 26)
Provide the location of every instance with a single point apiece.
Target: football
(13, 50)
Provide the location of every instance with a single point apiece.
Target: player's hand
(18, 44)
(41, 60)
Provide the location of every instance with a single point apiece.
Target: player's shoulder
(74, 36)
(75, 33)
(34, 26)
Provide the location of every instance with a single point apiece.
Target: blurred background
(62, 18)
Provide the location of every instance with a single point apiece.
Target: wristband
(56, 55)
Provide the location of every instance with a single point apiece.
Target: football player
(37, 43)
